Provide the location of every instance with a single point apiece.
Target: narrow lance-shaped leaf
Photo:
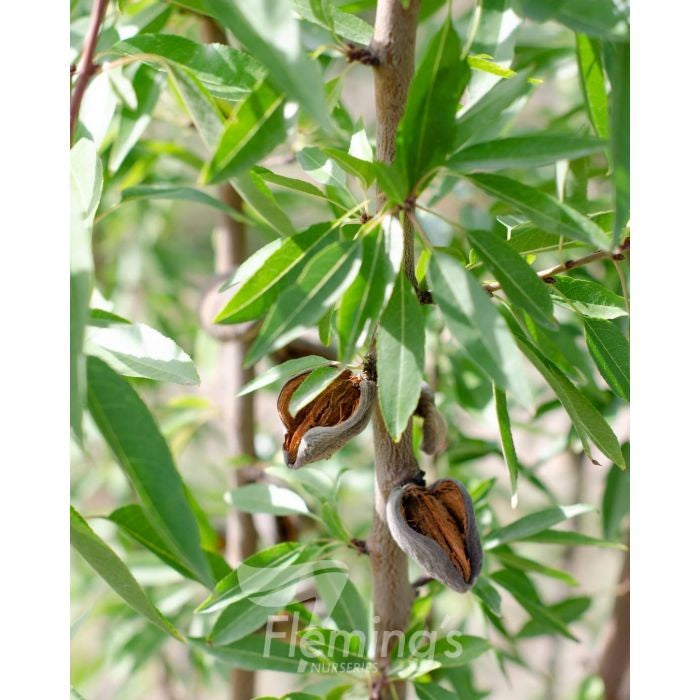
(133, 521)
(617, 60)
(584, 415)
(606, 19)
(226, 72)
(318, 380)
(543, 209)
(344, 24)
(483, 118)
(323, 280)
(616, 498)
(363, 302)
(137, 350)
(275, 272)
(209, 122)
(290, 368)
(266, 498)
(534, 523)
(610, 351)
(400, 356)
(100, 556)
(588, 298)
(426, 132)
(85, 192)
(590, 67)
(268, 29)
(476, 325)
(507, 444)
(129, 429)
(133, 121)
(523, 152)
(493, 47)
(255, 127)
(523, 287)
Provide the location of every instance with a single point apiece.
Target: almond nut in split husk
(325, 424)
(434, 424)
(436, 527)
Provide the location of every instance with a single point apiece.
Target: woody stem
(393, 45)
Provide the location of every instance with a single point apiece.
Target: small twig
(422, 581)
(86, 66)
(548, 275)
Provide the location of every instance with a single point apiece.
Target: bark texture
(393, 44)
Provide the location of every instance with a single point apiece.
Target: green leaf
(266, 498)
(224, 71)
(259, 198)
(180, 192)
(209, 123)
(362, 169)
(363, 302)
(617, 61)
(147, 85)
(133, 521)
(239, 620)
(321, 167)
(323, 280)
(132, 434)
(289, 183)
(341, 23)
(534, 523)
(110, 567)
(345, 605)
(567, 611)
(274, 274)
(476, 325)
(255, 127)
(85, 192)
(602, 18)
(256, 653)
(590, 68)
(488, 594)
(317, 381)
(269, 31)
(459, 649)
(279, 556)
(589, 298)
(507, 444)
(610, 351)
(543, 209)
(584, 415)
(137, 350)
(480, 117)
(426, 131)
(523, 152)
(200, 105)
(569, 539)
(290, 368)
(616, 499)
(433, 691)
(518, 562)
(520, 587)
(523, 287)
(400, 356)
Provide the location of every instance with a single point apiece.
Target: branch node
(549, 280)
(568, 264)
(425, 297)
(355, 53)
(360, 546)
(618, 256)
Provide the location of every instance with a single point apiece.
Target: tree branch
(393, 45)
(86, 66)
(567, 265)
